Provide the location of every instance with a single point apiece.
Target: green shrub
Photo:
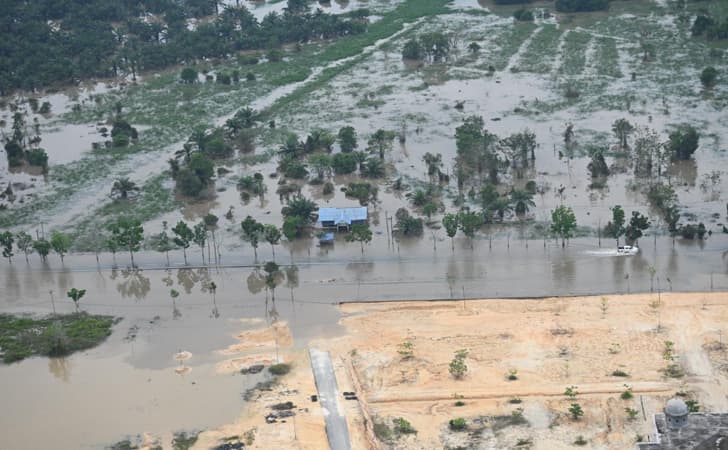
(328, 188)
(458, 424)
(619, 373)
(279, 369)
(37, 157)
(402, 426)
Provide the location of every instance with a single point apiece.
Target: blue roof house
(342, 218)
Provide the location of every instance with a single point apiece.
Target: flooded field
(517, 80)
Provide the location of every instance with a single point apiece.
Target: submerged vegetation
(22, 337)
(498, 177)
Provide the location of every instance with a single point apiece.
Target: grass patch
(153, 200)
(183, 440)
(293, 74)
(607, 58)
(537, 57)
(382, 431)
(279, 369)
(574, 52)
(22, 337)
(126, 444)
(506, 44)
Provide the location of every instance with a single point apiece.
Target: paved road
(328, 392)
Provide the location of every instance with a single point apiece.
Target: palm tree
(500, 206)
(522, 201)
(123, 187)
(622, 129)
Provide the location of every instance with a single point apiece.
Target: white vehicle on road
(627, 250)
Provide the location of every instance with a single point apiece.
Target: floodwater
(261, 8)
(128, 385)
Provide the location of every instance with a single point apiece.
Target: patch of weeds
(674, 370)
(259, 387)
(693, 406)
(627, 393)
(369, 102)
(402, 426)
(279, 369)
(515, 400)
(459, 403)
(507, 44)
(183, 440)
(293, 74)
(126, 444)
(545, 42)
(514, 419)
(607, 58)
(580, 441)
(619, 373)
(382, 431)
(574, 52)
(22, 337)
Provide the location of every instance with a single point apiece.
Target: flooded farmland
(584, 71)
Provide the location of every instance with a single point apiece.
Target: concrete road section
(328, 392)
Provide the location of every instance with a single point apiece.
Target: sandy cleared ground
(547, 344)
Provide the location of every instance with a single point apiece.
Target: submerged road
(328, 392)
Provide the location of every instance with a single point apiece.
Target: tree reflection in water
(60, 368)
(134, 283)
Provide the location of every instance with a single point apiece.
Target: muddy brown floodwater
(129, 385)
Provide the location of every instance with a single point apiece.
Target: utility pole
(53, 303)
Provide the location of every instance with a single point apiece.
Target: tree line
(47, 42)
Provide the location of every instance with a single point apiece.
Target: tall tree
(451, 224)
(622, 129)
(563, 223)
(24, 243)
(683, 142)
(76, 295)
(360, 233)
(199, 236)
(272, 271)
(347, 139)
(301, 207)
(521, 201)
(60, 243)
(273, 236)
(164, 243)
(6, 240)
(637, 224)
(211, 224)
(129, 234)
(43, 248)
(615, 227)
(252, 232)
(183, 236)
(123, 187)
(469, 222)
(381, 142)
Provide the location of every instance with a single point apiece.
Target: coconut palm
(123, 187)
(521, 201)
